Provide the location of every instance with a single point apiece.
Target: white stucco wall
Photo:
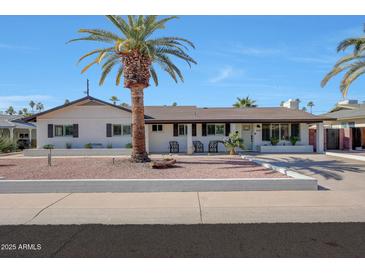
(92, 122)
(159, 141)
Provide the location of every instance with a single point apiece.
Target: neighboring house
(347, 132)
(15, 128)
(90, 120)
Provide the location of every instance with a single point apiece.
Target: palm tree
(114, 99)
(32, 105)
(174, 104)
(353, 63)
(245, 103)
(39, 107)
(135, 50)
(10, 111)
(310, 104)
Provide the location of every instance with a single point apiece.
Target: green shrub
(129, 145)
(294, 140)
(232, 142)
(49, 146)
(89, 145)
(7, 145)
(68, 145)
(109, 146)
(274, 141)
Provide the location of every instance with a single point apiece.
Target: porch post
(189, 140)
(30, 137)
(11, 130)
(320, 137)
(147, 138)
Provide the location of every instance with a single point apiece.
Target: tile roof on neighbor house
(14, 121)
(347, 114)
(184, 114)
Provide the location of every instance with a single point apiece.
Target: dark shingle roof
(347, 114)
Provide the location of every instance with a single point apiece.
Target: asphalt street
(201, 240)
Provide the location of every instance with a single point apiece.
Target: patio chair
(174, 147)
(198, 147)
(213, 147)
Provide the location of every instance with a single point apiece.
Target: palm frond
(332, 73)
(351, 75)
(106, 70)
(154, 75)
(119, 75)
(119, 22)
(94, 52)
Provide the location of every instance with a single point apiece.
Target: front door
(333, 138)
(356, 137)
(246, 134)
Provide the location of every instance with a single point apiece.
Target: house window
(117, 130)
(183, 130)
(215, 129)
(295, 130)
(284, 132)
(23, 135)
(275, 131)
(157, 128)
(126, 129)
(266, 132)
(58, 130)
(63, 130)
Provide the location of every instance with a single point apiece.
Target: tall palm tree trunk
(139, 154)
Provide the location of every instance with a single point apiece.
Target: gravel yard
(103, 168)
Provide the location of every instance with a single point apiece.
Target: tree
(39, 107)
(32, 105)
(310, 105)
(174, 104)
(124, 104)
(282, 103)
(353, 63)
(245, 103)
(20, 112)
(304, 108)
(114, 99)
(135, 50)
(10, 111)
(66, 102)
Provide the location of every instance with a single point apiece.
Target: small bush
(274, 141)
(294, 140)
(89, 145)
(109, 146)
(49, 146)
(7, 145)
(129, 145)
(68, 145)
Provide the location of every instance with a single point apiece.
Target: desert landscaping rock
(195, 167)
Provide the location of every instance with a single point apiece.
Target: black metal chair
(198, 147)
(174, 147)
(213, 147)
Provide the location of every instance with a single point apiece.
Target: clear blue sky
(269, 58)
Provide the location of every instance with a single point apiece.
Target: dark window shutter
(193, 129)
(204, 129)
(50, 130)
(176, 130)
(108, 130)
(228, 129)
(75, 130)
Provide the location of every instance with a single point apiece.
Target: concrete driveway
(333, 173)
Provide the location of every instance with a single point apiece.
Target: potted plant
(274, 141)
(232, 142)
(294, 140)
(129, 145)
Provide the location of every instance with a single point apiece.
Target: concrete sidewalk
(182, 207)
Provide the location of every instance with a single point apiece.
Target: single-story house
(13, 127)
(347, 130)
(93, 121)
